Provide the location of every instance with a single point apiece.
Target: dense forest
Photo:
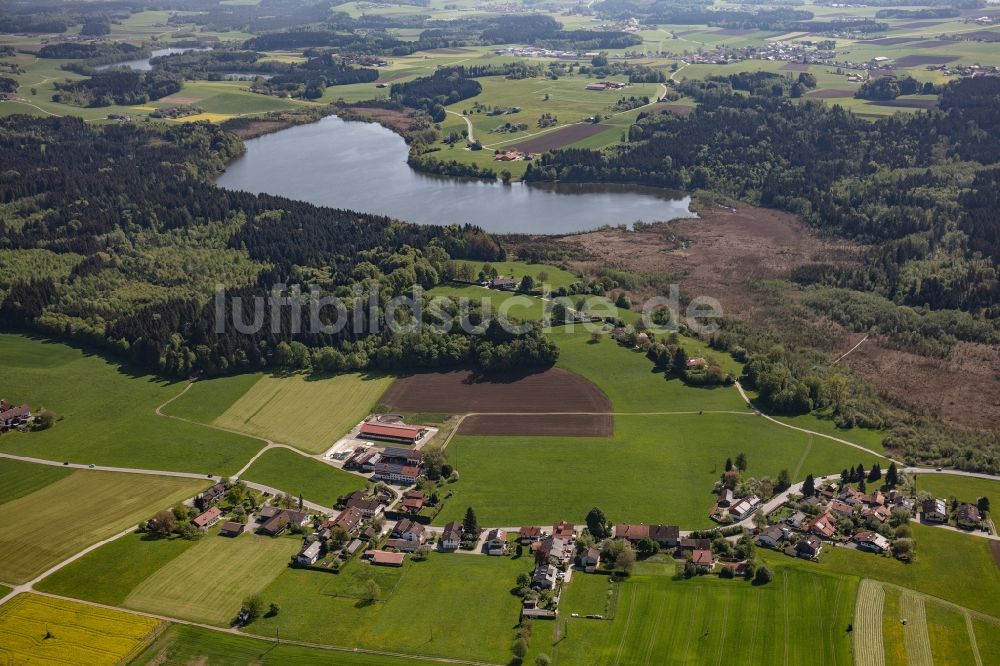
(433, 93)
(116, 86)
(114, 237)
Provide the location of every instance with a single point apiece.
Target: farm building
(396, 473)
(395, 456)
(410, 530)
(205, 520)
(232, 529)
(384, 558)
(276, 520)
(12, 416)
(391, 432)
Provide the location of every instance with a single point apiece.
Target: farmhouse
(935, 511)
(632, 533)
(402, 545)
(396, 473)
(872, 541)
(544, 577)
(496, 542)
(703, 559)
(503, 283)
(11, 416)
(564, 529)
(276, 520)
(409, 530)
(745, 507)
(413, 502)
(348, 520)
(529, 535)
(7, 96)
(368, 506)
(688, 543)
(451, 537)
(309, 554)
(205, 520)
(725, 499)
(232, 529)
(210, 496)
(605, 85)
(809, 547)
(668, 536)
(397, 456)
(968, 516)
(391, 432)
(384, 558)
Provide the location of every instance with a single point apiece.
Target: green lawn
(988, 640)
(654, 469)
(93, 506)
(556, 277)
(307, 412)
(514, 306)
(107, 575)
(951, 566)
(106, 413)
(207, 583)
(449, 605)
(798, 618)
(965, 489)
(314, 480)
(183, 644)
(949, 635)
(208, 399)
(18, 479)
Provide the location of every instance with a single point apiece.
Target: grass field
(452, 606)
(182, 644)
(207, 583)
(108, 574)
(208, 399)
(314, 480)
(303, 411)
(654, 469)
(950, 566)
(798, 618)
(18, 479)
(868, 647)
(965, 489)
(95, 504)
(115, 425)
(555, 277)
(79, 634)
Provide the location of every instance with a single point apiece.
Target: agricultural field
(555, 277)
(655, 469)
(514, 306)
(183, 644)
(41, 630)
(208, 582)
(964, 489)
(18, 479)
(307, 412)
(797, 618)
(315, 481)
(448, 605)
(115, 426)
(108, 574)
(96, 504)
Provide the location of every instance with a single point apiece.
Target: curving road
(468, 124)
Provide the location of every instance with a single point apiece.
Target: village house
(668, 536)
(12, 416)
(348, 520)
(873, 541)
(368, 506)
(309, 554)
(410, 530)
(529, 535)
(402, 545)
(809, 547)
(384, 558)
(590, 560)
(968, 516)
(232, 529)
(851, 496)
(503, 283)
(564, 529)
(451, 537)
(396, 473)
(391, 432)
(725, 499)
(208, 518)
(631, 533)
(842, 509)
(877, 513)
(935, 511)
(823, 526)
(544, 577)
(772, 536)
(276, 520)
(413, 502)
(703, 559)
(687, 543)
(496, 542)
(744, 507)
(210, 496)
(796, 520)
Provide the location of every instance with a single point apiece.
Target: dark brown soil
(461, 392)
(560, 137)
(889, 41)
(914, 60)
(828, 93)
(917, 24)
(930, 44)
(574, 425)
(734, 32)
(908, 103)
(995, 549)
(796, 67)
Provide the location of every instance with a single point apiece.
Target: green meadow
(106, 414)
(299, 475)
(962, 488)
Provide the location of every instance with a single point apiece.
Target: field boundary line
(869, 646)
(972, 640)
(916, 639)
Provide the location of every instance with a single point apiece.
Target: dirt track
(461, 392)
(582, 425)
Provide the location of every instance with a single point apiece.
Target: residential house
(808, 547)
(368, 506)
(696, 363)
(395, 473)
(309, 554)
(210, 496)
(796, 520)
(391, 432)
(968, 516)
(823, 526)
(564, 529)
(208, 518)
(725, 499)
(413, 502)
(703, 558)
(668, 536)
(12, 417)
(276, 520)
(842, 509)
(503, 283)
(590, 559)
(878, 513)
(935, 511)
(384, 558)
(410, 530)
(348, 551)
(529, 535)
(852, 496)
(744, 508)
(544, 577)
(687, 543)
(348, 520)
(772, 536)
(873, 541)
(451, 537)
(232, 529)
(402, 545)
(631, 533)
(496, 542)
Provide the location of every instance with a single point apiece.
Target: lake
(362, 166)
(143, 63)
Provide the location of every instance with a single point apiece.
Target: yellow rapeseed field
(41, 630)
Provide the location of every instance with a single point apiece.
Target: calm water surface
(362, 166)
